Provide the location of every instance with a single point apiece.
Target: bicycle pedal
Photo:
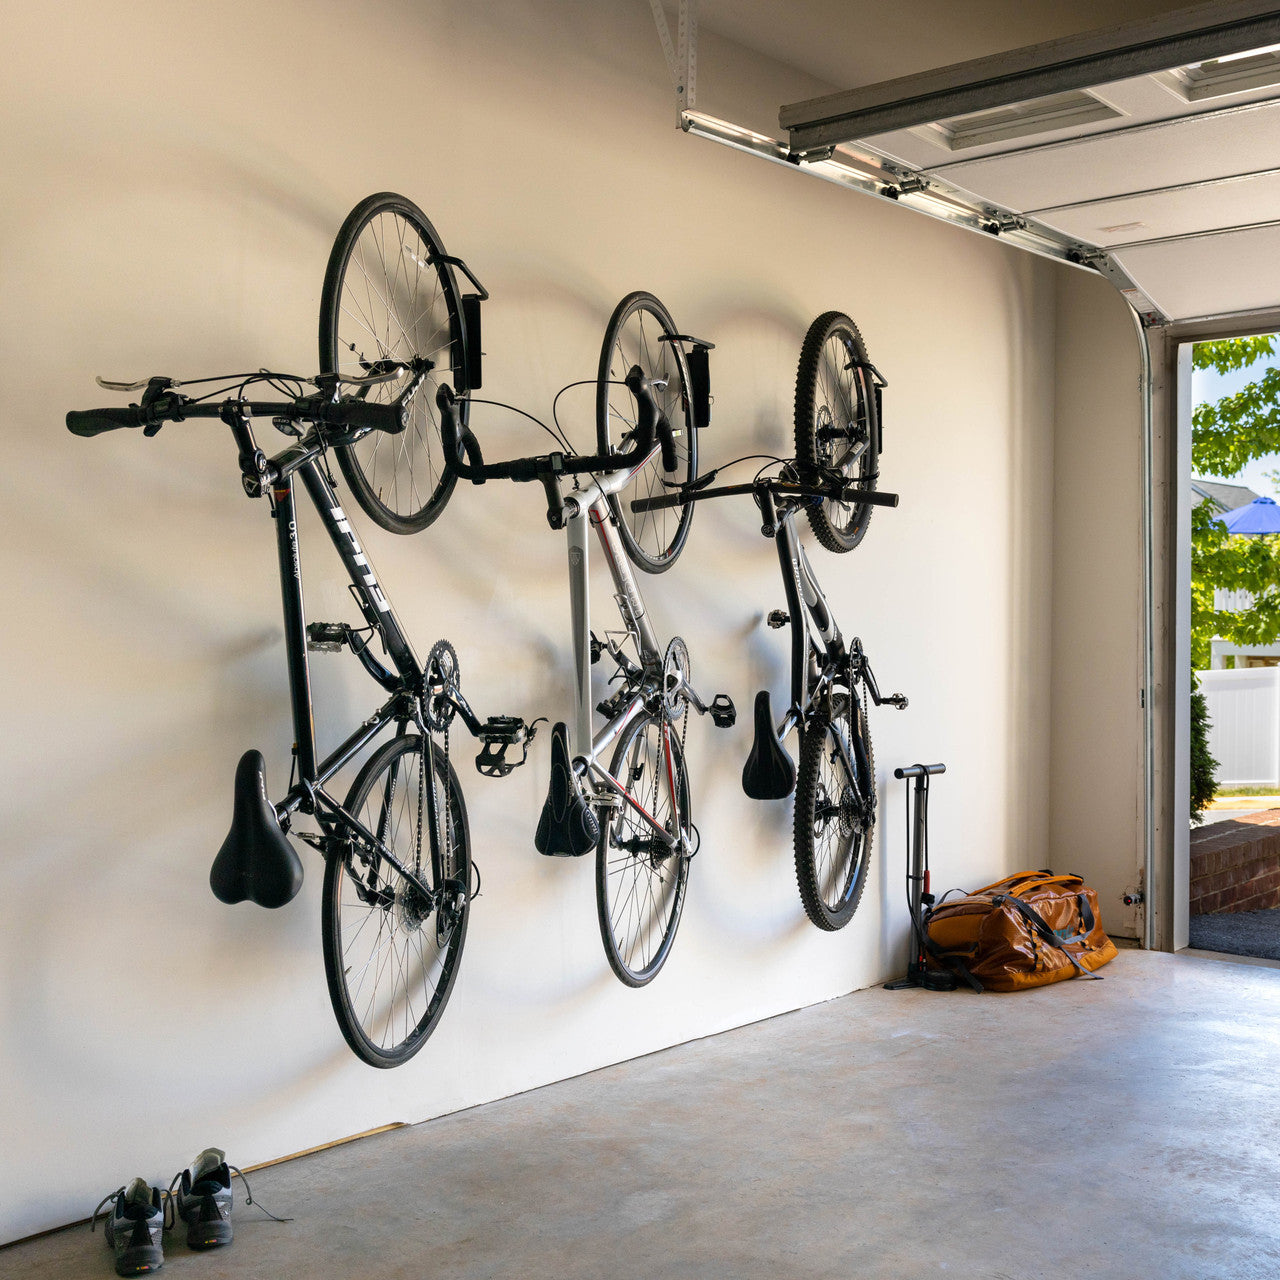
(497, 735)
(778, 618)
(326, 637)
(723, 712)
(504, 729)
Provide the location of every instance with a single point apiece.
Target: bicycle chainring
(442, 675)
(676, 670)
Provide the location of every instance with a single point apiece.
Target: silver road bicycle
(619, 786)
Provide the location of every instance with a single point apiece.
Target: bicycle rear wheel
(388, 297)
(834, 815)
(636, 335)
(835, 424)
(640, 884)
(390, 953)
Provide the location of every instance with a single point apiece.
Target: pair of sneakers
(200, 1195)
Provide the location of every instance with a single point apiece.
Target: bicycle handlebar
(93, 422)
(168, 406)
(463, 454)
(779, 488)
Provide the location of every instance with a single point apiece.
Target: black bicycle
(832, 480)
(392, 298)
(399, 879)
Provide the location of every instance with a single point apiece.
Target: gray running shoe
(135, 1228)
(201, 1196)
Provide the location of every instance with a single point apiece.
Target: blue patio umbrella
(1262, 515)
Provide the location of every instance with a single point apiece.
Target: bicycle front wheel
(640, 882)
(388, 298)
(639, 333)
(391, 952)
(834, 815)
(835, 424)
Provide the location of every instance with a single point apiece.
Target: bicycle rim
(833, 832)
(633, 336)
(387, 297)
(391, 957)
(834, 416)
(640, 885)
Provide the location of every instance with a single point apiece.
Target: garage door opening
(1233, 889)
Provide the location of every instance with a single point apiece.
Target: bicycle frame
(817, 645)
(589, 509)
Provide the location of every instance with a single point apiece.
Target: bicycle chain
(424, 782)
(684, 729)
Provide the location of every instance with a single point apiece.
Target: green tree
(1227, 434)
(1204, 767)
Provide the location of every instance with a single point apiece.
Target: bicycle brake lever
(108, 385)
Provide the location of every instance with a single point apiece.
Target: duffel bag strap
(1041, 927)
(949, 959)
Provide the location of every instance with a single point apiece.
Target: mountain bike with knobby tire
(831, 679)
(399, 878)
(635, 813)
(837, 425)
(392, 297)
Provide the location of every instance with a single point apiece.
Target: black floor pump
(918, 890)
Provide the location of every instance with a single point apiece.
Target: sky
(1207, 384)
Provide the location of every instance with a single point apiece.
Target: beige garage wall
(175, 174)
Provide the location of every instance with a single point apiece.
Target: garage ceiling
(1149, 151)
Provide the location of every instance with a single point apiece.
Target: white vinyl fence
(1244, 716)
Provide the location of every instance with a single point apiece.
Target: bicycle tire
(833, 838)
(633, 336)
(836, 404)
(417, 950)
(387, 296)
(640, 892)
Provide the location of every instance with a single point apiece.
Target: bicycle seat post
(576, 523)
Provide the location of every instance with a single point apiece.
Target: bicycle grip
(659, 503)
(871, 497)
(93, 422)
(461, 448)
(354, 412)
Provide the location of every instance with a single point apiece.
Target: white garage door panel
(1147, 216)
(1194, 149)
(1210, 276)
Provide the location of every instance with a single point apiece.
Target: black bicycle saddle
(770, 773)
(256, 860)
(567, 828)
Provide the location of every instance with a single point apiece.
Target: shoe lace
(93, 1222)
(248, 1198)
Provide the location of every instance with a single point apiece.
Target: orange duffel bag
(1024, 931)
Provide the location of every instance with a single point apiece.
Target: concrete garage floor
(1123, 1128)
